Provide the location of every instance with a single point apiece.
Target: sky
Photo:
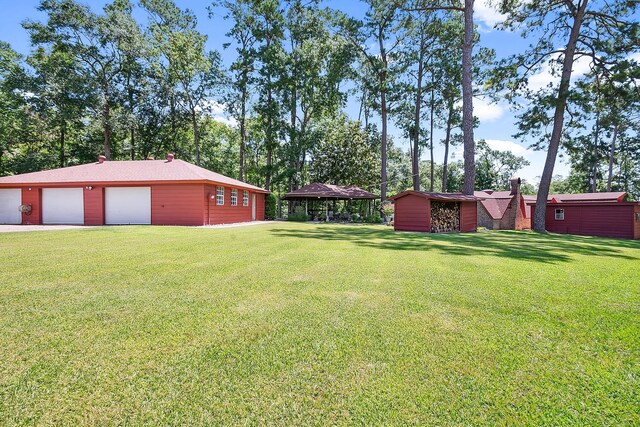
(497, 123)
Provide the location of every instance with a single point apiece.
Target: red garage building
(592, 214)
(435, 212)
(158, 192)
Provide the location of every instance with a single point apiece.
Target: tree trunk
(594, 163)
(383, 148)
(106, 127)
(382, 76)
(63, 128)
(431, 139)
(467, 100)
(196, 135)
(611, 157)
(558, 122)
(415, 157)
(447, 139)
(133, 143)
(243, 129)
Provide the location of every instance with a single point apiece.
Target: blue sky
(496, 120)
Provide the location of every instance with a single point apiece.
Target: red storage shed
(593, 218)
(158, 192)
(435, 212)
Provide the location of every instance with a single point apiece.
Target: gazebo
(309, 195)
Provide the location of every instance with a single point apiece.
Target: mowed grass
(301, 324)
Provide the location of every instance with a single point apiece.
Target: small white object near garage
(127, 205)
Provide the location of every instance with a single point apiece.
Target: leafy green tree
(495, 167)
(94, 42)
(380, 28)
(60, 95)
(196, 73)
(564, 31)
(345, 154)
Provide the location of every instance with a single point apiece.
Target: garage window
(245, 198)
(234, 197)
(220, 196)
(559, 215)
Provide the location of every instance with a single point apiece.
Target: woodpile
(445, 217)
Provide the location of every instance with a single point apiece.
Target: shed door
(10, 201)
(62, 206)
(127, 205)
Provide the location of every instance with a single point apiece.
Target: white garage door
(127, 205)
(62, 206)
(10, 201)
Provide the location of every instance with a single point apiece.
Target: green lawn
(298, 324)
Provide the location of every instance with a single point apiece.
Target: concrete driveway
(20, 228)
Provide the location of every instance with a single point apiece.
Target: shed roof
(495, 203)
(607, 197)
(440, 197)
(127, 171)
(329, 191)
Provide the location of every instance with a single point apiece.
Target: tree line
(104, 82)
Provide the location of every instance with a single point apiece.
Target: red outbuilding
(592, 214)
(435, 212)
(158, 192)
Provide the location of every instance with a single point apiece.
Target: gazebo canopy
(317, 190)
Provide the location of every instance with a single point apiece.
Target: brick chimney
(515, 185)
(170, 157)
(101, 158)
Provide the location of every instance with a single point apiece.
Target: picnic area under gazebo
(323, 201)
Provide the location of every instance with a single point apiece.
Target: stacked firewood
(445, 217)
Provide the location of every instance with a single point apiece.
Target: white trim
(234, 197)
(220, 196)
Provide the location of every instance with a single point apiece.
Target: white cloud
(485, 111)
(229, 121)
(540, 80)
(502, 145)
(217, 112)
(484, 12)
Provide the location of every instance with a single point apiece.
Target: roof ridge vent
(170, 157)
(101, 158)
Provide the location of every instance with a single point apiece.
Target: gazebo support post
(326, 210)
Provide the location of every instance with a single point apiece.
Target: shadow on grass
(522, 245)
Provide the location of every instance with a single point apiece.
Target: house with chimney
(503, 210)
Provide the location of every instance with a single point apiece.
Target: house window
(245, 198)
(234, 197)
(219, 195)
(559, 214)
(637, 216)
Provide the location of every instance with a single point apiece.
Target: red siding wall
(227, 214)
(636, 222)
(468, 217)
(412, 213)
(177, 204)
(31, 197)
(601, 220)
(94, 206)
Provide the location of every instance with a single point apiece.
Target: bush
(270, 205)
(373, 218)
(355, 217)
(298, 215)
